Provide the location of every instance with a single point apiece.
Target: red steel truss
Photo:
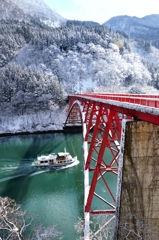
(102, 115)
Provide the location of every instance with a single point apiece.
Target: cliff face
(28, 121)
(30, 113)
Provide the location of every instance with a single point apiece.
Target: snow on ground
(152, 55)
(41, 121)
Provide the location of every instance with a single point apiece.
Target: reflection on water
(56, 196)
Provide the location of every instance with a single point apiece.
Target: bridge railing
(103, 113)
(141, 99)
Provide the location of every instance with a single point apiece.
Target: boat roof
(63, 153)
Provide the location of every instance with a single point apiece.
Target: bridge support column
(137, 214)
(86, 185)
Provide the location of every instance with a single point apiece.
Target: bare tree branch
(13, 222)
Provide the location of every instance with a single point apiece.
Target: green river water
(56, 197)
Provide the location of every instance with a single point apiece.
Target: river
(56, 197)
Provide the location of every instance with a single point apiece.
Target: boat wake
(12, 177)
(10, 169)
(38, 172)
(29, 170)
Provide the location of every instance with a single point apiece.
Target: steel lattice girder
(141, 107)
(74, 116)
(103, 130)
(103, 133)
(101, 116)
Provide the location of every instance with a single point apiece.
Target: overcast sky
(102, 10)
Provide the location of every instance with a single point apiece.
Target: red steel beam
(99, 161)
(93, 139)
(102, 115)
(145, 100)
(148, 112)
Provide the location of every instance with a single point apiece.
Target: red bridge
(100, 116)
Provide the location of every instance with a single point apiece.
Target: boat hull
(55, 166)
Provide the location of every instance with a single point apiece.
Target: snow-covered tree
(14, 222)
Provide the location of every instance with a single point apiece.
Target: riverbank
(28, 133)
(42, 121)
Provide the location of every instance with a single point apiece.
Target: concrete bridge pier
(137, 215)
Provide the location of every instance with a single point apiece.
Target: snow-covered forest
(83, 59)
(41, 65)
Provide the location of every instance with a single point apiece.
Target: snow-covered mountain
(30, 9)
(8, 10)
(146, 28)
(149, 20)
(40, 65)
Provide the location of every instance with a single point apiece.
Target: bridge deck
(100, 115)
(142, 107)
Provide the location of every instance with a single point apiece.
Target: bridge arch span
(74, 117)
(101, 127)
(101, 116)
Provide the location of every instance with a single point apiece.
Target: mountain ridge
(41, 65)
(30, 9)
(145, 28)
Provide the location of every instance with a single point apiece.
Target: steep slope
(9, 10)
(39, 9)
(40, 65)
(28, 10)
(86, 59)
(146, 28)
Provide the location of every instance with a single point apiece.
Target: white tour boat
(55, 160)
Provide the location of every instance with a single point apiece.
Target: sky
(102, 10)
